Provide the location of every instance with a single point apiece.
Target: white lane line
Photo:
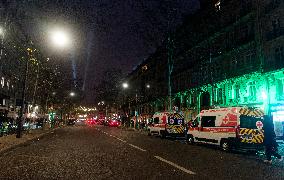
(136, 147)
(125, 142)
(115, 137)
(175, 165)
(120, 140)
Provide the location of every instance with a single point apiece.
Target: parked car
(113, 123)
(89, 121)
(71, 122)
(7, 126)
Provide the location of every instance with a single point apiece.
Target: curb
(27, 141)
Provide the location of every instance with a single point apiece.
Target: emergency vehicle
(233, 127)
(167, 124)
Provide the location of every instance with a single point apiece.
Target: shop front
(277, 112)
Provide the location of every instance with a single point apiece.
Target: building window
(219, 95)
(2, 82)
(192, 100)
(244, 32)
(276, 26)
(246, 7)
(279, 56)
(249, 59)
(208, 121)
(236, 91)
(185, 101)
(280, 89)
(234, 63)
(252, 89)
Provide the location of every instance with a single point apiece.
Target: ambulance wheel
(190, 139)
(225, 145)
(162, 134)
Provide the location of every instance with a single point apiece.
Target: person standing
(270, 140)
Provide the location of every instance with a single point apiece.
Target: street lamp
(72, 94)
(60, 38)
(125, 85)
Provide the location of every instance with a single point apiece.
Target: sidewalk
(10, 141)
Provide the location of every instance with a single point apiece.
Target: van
(229, 128)
(167, 124)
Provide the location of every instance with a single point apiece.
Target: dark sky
(121, 34)
(112, 33)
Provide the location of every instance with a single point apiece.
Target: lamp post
(125, 86)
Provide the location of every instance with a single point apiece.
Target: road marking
(125, 142)
(120, 140)
(32, 156)
(136, 147)
(175, 165)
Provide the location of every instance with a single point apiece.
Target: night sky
(112, 33)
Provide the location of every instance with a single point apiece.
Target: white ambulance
(167, 124)
(232, 127)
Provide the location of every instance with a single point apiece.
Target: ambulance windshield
(249, 121)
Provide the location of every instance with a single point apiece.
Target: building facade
(228, 53)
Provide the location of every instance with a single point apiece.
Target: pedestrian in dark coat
(270, 140)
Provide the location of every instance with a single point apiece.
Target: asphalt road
(99, 152)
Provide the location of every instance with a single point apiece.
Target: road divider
(175, 165)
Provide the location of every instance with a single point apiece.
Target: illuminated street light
(1, 31)
(72, 94)
(60, 38)
(125, 85)
(148, 86)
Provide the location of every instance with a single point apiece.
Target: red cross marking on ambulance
(259, 124)
(226, 119)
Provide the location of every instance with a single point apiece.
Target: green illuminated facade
(228, 53)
